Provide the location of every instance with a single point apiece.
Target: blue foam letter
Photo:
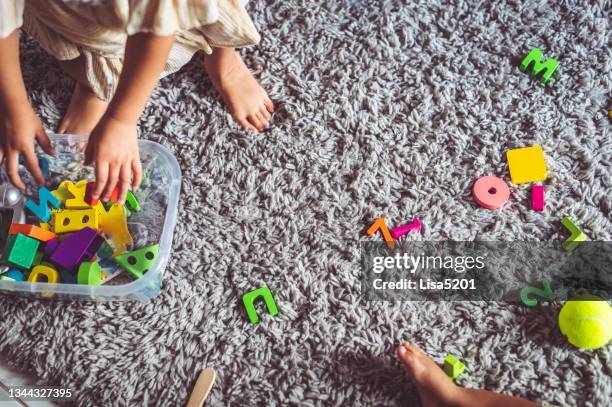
(41, 210)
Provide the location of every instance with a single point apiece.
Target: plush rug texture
(383, 109)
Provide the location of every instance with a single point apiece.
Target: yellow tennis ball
(586, 321)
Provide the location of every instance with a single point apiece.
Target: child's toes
(263, 120)
(245, 124)
(405, 354)
(255, 120)
(268, 104)
(264, 112)
(414, 348)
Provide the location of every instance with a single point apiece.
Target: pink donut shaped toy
(490, 192)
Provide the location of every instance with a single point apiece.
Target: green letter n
(249, 303)
(535, 56)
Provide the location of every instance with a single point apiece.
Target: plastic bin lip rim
(160, 262)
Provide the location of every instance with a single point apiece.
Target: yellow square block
(73, 220)
(526, 164)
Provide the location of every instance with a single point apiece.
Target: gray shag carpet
(383, 108)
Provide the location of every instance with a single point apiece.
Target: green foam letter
(249, 303)
(546, 293)
(576, 235)
(549, 66)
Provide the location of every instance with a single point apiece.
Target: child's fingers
(137, 174)
(44, 142)
(113, 177)
(124, 182)
(101, 177)
(12, 169)
(89, 152)
(31, 163)
(1, 158)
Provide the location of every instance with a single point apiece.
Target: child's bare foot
(84, 112)
(248, 102)
(435, 388)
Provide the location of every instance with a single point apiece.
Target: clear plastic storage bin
(158, 197)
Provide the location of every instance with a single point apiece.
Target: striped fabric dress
(98, 30)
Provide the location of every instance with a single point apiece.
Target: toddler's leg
(85, 109)
(436, 389)
(248, 102)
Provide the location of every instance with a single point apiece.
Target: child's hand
(113, 149)
(18, 130)
(113, 144)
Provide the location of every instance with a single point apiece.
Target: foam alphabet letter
(535, 57)
(41, 210)
(249, 298)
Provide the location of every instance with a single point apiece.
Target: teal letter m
(535, 56)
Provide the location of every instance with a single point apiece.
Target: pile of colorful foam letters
(72, 234)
